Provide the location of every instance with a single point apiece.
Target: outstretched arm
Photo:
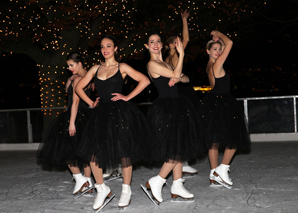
(185, 31)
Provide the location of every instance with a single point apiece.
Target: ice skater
(185, 88)
(173, 119)
(117, 131)
(224, 120)
(62, 139)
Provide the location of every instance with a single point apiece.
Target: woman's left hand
(173, 81)
(119, 96)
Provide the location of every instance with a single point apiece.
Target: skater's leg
(81, 181)
(126, 171)
(213, 159)
(97, 173)
(177, 171)
(213, 156)
(74, 169)
(228, 155)
(177, 189)
(221, 172)
(87, 171)
(155, 183)
(103, 191)
(166, 168)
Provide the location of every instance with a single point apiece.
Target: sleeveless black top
(82, 104)
(222, 85)
(105, 88)
(164, 90)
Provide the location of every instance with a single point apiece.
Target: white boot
(178, 190)
(103, 191)
(81, 182)
(187, 169)
(108, 172)
(213, 183)
(125, 197)
(155, 184)
(222, 171)
(90, 185)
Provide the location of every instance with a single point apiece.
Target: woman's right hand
(95, 103)
(179, 47)
(215, 35)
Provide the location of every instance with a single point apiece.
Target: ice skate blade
(111, 178)
(221, 182)
(149, 195)
(189, 175)
(80, 194)
(214, 184)
(108, 199)
(123, 207)
(183, 200)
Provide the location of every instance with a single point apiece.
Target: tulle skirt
(174, 122)
(223, 122)
(116, 133)
(59, 148)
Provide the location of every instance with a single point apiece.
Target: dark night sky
(271, 46)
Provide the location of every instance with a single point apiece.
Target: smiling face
(215, 50)
(108, 48)
(154, 44)
(73, 66)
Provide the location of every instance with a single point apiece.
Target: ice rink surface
(265, 180)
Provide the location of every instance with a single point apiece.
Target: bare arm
(228, 43)
(83, 83)
(74, 109)
(185, 31)
(137, 76)
(69, 81)
(156, 69)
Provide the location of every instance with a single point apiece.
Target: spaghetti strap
(97, 70)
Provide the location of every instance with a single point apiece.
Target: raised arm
(160, 70)
(83, 83)
(227, 46)
(185, 31)
(137, 76)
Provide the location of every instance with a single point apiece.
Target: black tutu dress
(174, 121)
(223, 119)
(59, 148)
(117, 131)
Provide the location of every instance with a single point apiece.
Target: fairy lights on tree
(48, 30)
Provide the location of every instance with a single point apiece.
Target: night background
(36, 36)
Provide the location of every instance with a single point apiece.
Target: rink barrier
(269, 119)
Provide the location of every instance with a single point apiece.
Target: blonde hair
(210, 43)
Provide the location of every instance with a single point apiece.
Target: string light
(57, 29)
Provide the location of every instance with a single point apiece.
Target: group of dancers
(108, 131)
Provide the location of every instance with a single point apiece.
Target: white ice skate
(81, 183)
(86, 191)
(155, 185)
(213, 183)
(103, 197)
(188, 170)
(112, 174)
(178, 190)
(125, 197)
(221, 175)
